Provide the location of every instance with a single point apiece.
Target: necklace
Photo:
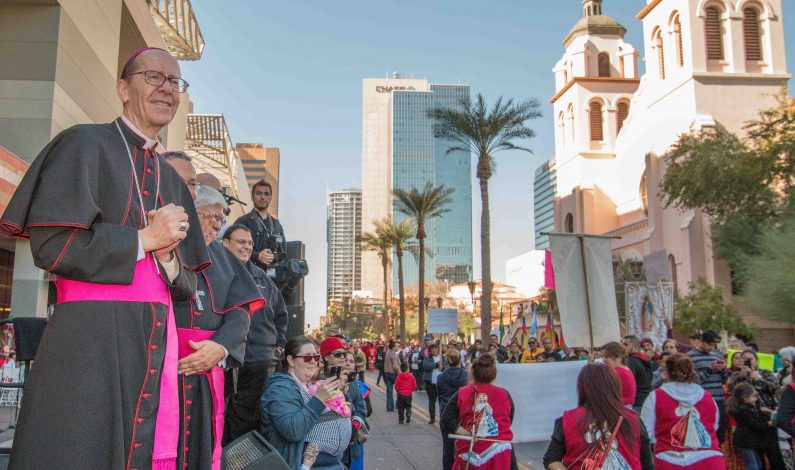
(135, 176)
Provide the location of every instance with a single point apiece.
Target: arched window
(672, 262)
(644, 193)
(751, 35)
(680, 50)
(597, 133)
(658, 44)
(604, 64)
(714, 32)
(562, 125)
(569, 223)
(622, 109)
(570, 117)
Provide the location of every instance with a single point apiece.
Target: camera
(284, 271)
(748, 363)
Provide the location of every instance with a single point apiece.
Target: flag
(534, 323)
(524, 326)
(561, 341)
(549, 272)
(550, 333)
(502, 328)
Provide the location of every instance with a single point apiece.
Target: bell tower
(594, 82)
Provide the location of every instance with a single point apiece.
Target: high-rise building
(344, 225)
(260, 162)
(544, 192)
(399, 151)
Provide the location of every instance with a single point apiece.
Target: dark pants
(418, 378)
(243, 407)
(723, 421)
(755, 458)
(448, 452)
(389, 382)
(404, 407)
(432, 395)
(380, 376)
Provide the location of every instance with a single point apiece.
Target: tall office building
(260, 162)
(344, 225)
(399, 150)
(544, 192)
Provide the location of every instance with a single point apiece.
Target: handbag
(251, 451)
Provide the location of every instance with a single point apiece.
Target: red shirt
(405, 384)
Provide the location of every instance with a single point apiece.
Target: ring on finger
(183, 226)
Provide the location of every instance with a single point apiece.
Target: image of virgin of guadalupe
(647, 314)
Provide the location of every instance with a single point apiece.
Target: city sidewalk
(419, 445)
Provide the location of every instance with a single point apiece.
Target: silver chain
(135, 176)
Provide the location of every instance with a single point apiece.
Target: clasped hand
(166, 228)
(208, 354)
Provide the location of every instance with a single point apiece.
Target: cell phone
(336, 371)
(351, 377)
(748, 363)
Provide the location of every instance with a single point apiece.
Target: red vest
(577, 448)
(487, 408)
(692, 429)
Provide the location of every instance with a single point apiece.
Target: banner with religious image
(649, 307)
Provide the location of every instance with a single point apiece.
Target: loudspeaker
(295, 324)
(251, 452)
(296, 250)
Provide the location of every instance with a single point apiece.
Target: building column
(30, 287)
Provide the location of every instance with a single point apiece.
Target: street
(418, 445)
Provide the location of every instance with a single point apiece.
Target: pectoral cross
(199, 295)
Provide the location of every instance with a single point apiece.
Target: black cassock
(92, 396)
(225, 296)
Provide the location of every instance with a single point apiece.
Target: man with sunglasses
(264, 347)
(107, 216)
(533, 352)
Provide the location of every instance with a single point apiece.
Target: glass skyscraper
(544, 192)
(417, 158)
(401, 152)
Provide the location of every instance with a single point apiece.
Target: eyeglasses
(193, 184)
(310, 357)
(242, 242)
(155, 78)
(338, 354)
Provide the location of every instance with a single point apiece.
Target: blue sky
(289, 74)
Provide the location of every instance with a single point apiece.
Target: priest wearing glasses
(117, 228)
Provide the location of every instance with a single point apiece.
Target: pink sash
(215, 377)
(147, 286)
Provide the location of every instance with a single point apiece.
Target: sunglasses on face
(310, 357)
(338, 354)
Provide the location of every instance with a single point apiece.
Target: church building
(707, 63)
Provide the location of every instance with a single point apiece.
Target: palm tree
(383, 246)
(422, 207)
(474, 128)
(399, 235)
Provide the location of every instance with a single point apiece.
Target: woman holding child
(309, 425)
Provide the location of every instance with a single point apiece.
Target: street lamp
(472, 285)
(439, 301)
(427, 302)
(636, 267)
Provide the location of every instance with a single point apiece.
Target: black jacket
(785, 418)
(448, 383)
(260, 230)
(268, 324)
(641, 368)
(753, 428)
